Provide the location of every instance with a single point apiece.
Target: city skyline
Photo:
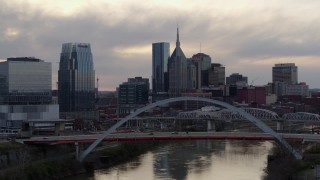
(246, 39)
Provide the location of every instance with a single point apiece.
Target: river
(192, 160)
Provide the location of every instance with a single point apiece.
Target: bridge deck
(170, 136)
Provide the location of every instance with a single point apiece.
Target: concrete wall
(11, 116)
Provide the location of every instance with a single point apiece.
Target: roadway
(52, 140)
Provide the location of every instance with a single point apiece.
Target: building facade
(25, 92)
(160, 57)
(192, 75)
(132, 95)
(177, 71)
(205, 63)
(216, 75)
(236, 78)
(301, 89)
(287, 73)
(76, 78)
(251, 95)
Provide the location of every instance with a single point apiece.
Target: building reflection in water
(193, 160)
(180, 159)
(175, 160)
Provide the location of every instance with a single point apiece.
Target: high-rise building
(216, 74)
(25, 92)
(205, 61)
(76, 78)
(287, 73)
(177, 71)
(237, 78)
(191, 75)
(132, 95)
(25, 80)
(160, 57)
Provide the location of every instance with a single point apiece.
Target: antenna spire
(178, 41)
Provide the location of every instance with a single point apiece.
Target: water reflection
(195, 160)
(175, 160)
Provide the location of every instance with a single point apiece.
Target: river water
(193, 160)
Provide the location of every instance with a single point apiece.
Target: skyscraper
(205, 62)
(160, 56)
(177, 71)
(76, 78)
(287, 73)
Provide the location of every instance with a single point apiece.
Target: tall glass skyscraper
(160, 56)
(76, 78)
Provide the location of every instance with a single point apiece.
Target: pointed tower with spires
(177, 66)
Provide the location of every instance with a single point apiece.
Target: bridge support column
(77, 150)
(211, 127)
(279, 125)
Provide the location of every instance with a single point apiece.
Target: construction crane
(253, 81)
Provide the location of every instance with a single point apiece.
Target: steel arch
(301, 116)
(262, 113)
(249, 117)
(227, 114)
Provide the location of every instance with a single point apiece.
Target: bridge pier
(77, 150)
(279, 125)
(211, 126)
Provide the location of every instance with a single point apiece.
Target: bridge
(242, 112)
(53, 140)
(262, 114)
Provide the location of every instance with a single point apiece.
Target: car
(175, 132)
(151, 133)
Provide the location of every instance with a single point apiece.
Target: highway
(52, 140)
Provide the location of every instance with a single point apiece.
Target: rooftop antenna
(200, 47)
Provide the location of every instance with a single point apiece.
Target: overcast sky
(247, 36)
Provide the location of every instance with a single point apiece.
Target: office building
(191, 75)
(177, 71)
(216, 75)
(205, 61)
(236, 78)
(25, 93)
(287, 73)
(132, 95)
(76, 78)
(160, 57)
(251, 95)
(301, 89)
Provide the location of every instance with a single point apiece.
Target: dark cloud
(229, 36)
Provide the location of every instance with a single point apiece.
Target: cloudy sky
(247, 36)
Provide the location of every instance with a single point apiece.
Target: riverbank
(65, 165)
(282, 166)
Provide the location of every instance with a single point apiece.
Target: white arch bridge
(241, 112)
